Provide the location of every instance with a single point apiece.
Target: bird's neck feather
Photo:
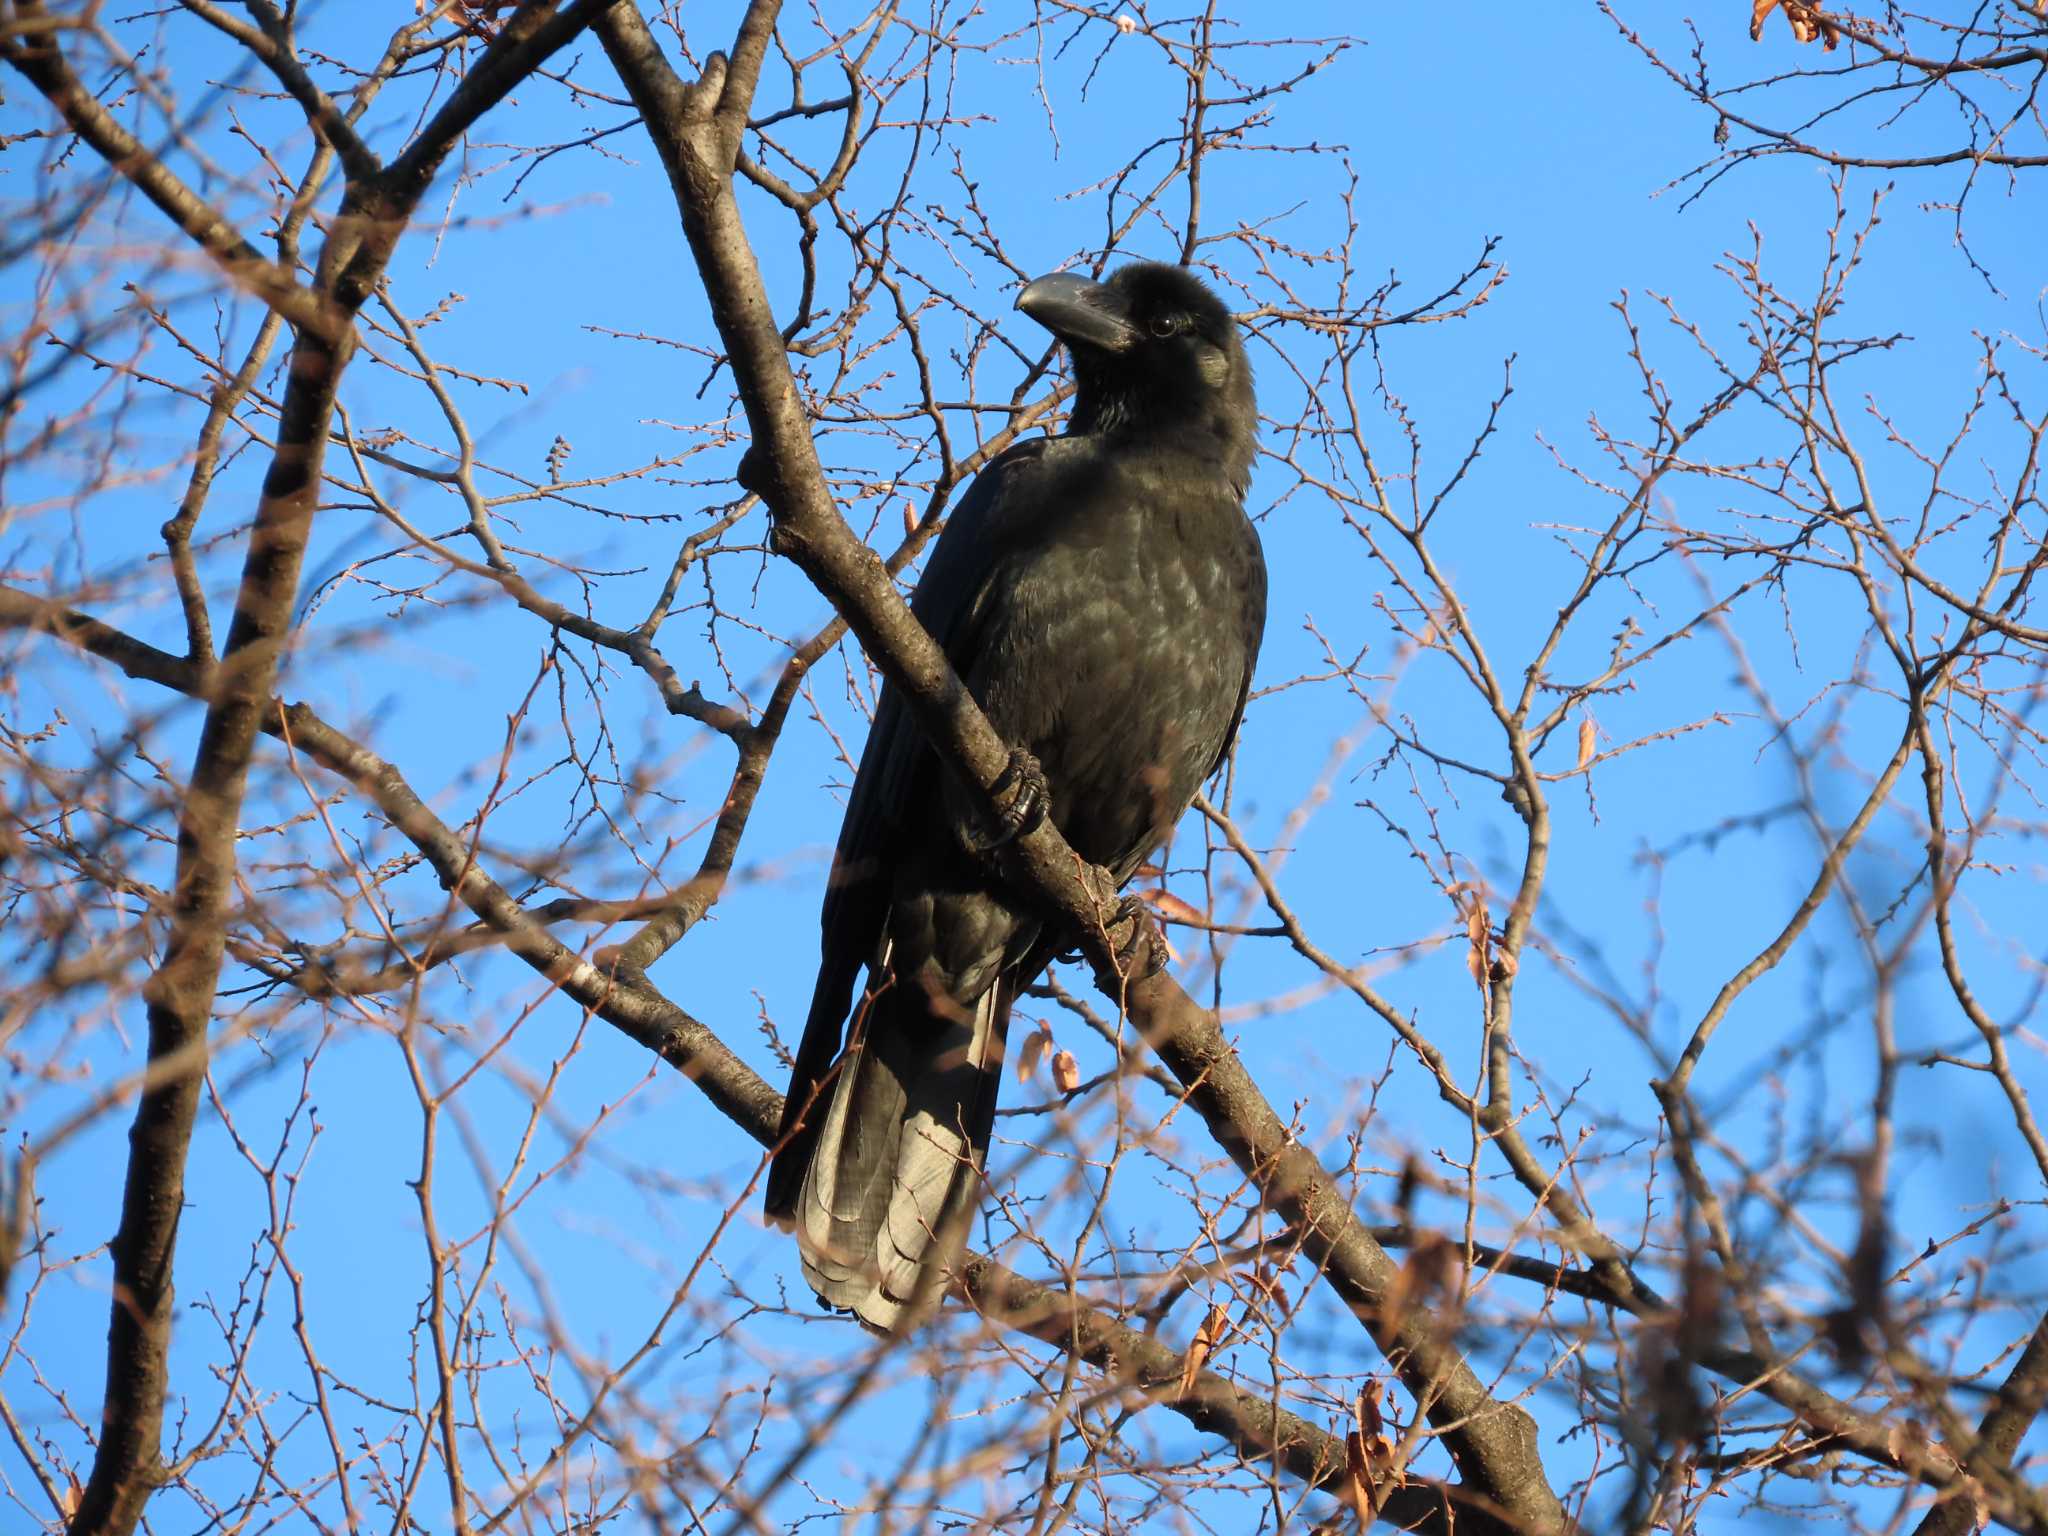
(1209, 435)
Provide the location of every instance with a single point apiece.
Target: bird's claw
(1022, 799)
(1141, 952)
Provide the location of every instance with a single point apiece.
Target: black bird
(1102, 595)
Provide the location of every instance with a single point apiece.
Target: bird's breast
(1118, 660)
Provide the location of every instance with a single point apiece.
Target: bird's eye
(1164, 326)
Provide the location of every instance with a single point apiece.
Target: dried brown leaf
(1369, 1459)
(1202, 1346)
(1358, 1480)
(1479, 941)
(1423, 1279)
(1033, 1050)
(1370, 1420)
(1431, 1265)
(1588, 737)
(1266, 1282)
(1980, 1502)
(1806, 21)
(1909, 1441)
(1066, 1072)
(1167, 904)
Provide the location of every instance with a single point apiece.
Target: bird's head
(1154, 352)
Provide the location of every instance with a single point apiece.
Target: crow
(1102, 595)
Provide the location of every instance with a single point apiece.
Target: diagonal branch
(270, 39)
(128, 1462)
(2014, 1408)
(628, 1002)
(696, 130)
(1249, 1419)
(29, 43)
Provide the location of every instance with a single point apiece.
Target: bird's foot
(1138, 949)
(1141, 951)
(1135, 943)
(1022, 799)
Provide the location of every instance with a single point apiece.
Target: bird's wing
(1254, 630)
(988, 520)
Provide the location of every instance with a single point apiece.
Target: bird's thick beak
(1080, 313)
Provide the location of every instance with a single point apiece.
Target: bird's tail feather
(890, 1187)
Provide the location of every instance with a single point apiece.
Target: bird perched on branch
(1102, 595)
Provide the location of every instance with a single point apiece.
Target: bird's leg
(1022, 798)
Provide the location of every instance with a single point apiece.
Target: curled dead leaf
(1479, 941)
(1202, 1346)
(1066, 1072)
(909, 519)
(1267, 1283)
(1367, 1409)
(1806, 21)
(1033, 1050)
(1909, 1442)
(1423, 1279)
(1358, 1485)
(1369, 1461)
(1588, 736)
(1166, 904)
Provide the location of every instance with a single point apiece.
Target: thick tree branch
(631, 1004)
(1248, 1419)
(270, 40)
(128, 1466)
(2015, 1407)
(696, 130)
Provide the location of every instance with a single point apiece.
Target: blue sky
(1535, 125)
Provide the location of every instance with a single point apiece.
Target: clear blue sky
(1534, 124)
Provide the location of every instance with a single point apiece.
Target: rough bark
(2014, 1408)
